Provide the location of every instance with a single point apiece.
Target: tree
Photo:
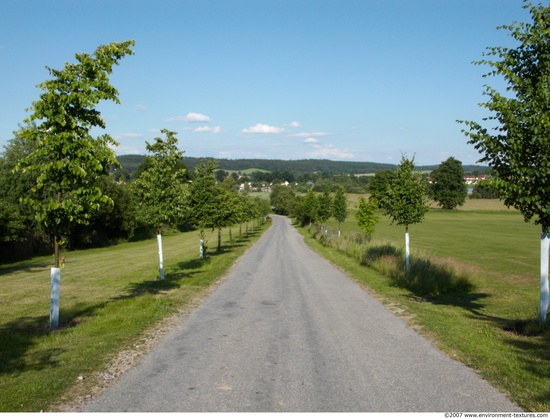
(325, 207)
(404, 200)
(379, 183)
(310, 208)
(211, 205)
(282, 199)
(340, 207)
(16, 185)
(67, 158)
(366, 215)
(448, 188)
(515, 139)
(162, 188)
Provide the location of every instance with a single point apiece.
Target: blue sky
(351, 80)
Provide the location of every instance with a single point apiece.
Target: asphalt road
(286, 331)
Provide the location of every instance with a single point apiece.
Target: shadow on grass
(424, 277)
(533, 354)
(18, 337)
(28, 267)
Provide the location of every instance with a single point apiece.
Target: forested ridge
(131, 163)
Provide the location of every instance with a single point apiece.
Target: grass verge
(110, 298)
(487, 318)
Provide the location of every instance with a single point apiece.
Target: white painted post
(407, 252)
(201, 249)
(55, 284)
(159, 239)
(544, 250)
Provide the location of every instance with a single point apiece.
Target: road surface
(287, 331)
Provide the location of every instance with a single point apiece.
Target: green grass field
(110, 297)
(492, 328)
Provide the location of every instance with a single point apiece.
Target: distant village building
(469, 180)
(473, 179)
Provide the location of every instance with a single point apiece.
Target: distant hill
(131, 163)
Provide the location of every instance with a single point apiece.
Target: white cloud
(190, 117)
(126, 150)
(139, 107)
(213, 129)
(260, 128)
(310, 140)
(296, 124)
(330, 151)
(309, 134)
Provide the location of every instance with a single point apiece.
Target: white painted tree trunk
(161, 261)
(407, 252)
(544, 250)
(55, 285)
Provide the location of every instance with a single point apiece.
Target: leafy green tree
(448, 188)
(67, 159)
(379, 183)
(515, 139)
(282, 199)
(325, 207)
(161, 189)
(111, 223)
(340, 207)
(14, 186)
(310, 208)
(245, 211)
(211, 205)
(366, 215)
(404, 200)
(483, 190)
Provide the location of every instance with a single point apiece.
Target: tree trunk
(219, 240)
(407, 252)
(161, 260)
(55, 284)
(544, 250)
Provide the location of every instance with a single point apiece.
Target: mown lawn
(493, 327)
(110, 297)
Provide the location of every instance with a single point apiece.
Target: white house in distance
(469, 180)
(473, 179)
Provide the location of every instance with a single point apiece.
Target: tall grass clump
(428, 275)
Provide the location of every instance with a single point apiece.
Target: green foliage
(483, 190)
(66, 159)
(325, 207)
(515, 140)
(17, 221)
(281, 199)
(108, 224)
(380, 182)
(340, 206)
(161, 189)
(448, 188)
(310, 208)
(212, 205)
(404, 201)
(366, 215)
